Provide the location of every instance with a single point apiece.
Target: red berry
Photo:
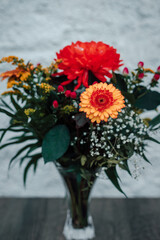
(73, 95)
(140, 64)
(125, 71)
(158, 69)
(140, 75)
(67, 93)
(55, 104)
(156, 76)
(60, 88)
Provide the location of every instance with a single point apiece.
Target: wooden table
(114, 219)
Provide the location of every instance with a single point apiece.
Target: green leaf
(6, 105)
(6, 112)
(152, 139)
(155, 121)
(83, 160)
(4, 132)
(33, 161)
(34, 147)
(19, 152)
(120, 82)
(55, 143)
(17, 107)
(148, 100)
(139, 91)
(129, 96)
(124, 166)
(145, 158)
(113, 177)
(17, 142)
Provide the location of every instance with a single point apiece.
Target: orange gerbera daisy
(100, 101)
(79, 58)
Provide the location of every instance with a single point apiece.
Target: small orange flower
(13, 73)
(101, 101)
(18, 74)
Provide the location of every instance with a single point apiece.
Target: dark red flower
(67, 93)
(55, 104)
(80, 57)
(125, 71)
(73, 95)
(60, 88)
(156, 77)
(140, 64)
(141, 75)
(158, 69)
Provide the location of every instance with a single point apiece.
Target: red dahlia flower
(80, 57)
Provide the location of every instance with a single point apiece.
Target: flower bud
(55, 104)
(158, 69)
(125, 71)
(60, 88)
(156, 77)
(73, 95)
(67, 93)
(140, 75)
(140, 64)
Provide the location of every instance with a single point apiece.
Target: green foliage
(120, 82)
(55, 143)
(155, 121)
(64, 134)
(148, 100)
(113, 177)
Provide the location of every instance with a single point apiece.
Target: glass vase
(78, 183)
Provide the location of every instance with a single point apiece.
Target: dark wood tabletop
(114, 219)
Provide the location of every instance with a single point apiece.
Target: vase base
(71, 233)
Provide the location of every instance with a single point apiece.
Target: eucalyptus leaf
(55, 143)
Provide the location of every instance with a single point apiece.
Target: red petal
(85, 78)
(100, 77)
(66, 82)
(79, 82)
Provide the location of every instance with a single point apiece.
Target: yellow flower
(46, 87)
(25, 76)
(10, 84)
(9, 59)
(48, 78)
(101, 101)
(29, 111)
(15, 73)
(26, 87)
(68, 109)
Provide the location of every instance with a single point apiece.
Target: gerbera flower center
(101, 99)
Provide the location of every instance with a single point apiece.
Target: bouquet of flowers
(81, 112)
(75, 113)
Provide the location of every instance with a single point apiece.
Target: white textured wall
(35, 30)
